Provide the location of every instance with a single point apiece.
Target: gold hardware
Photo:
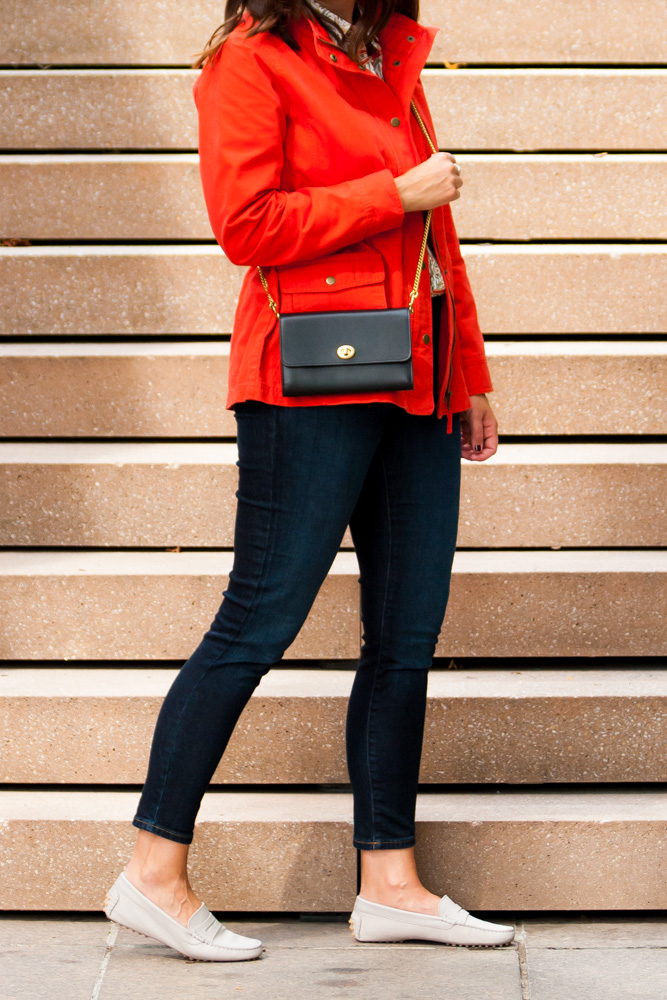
(330, 280)
(346, 351)
(420, 264)
(395, 122)
(426, 338)
(397, 62)
(411, 38)
(333, 57)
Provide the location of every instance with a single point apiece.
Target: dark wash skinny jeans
(304, 474)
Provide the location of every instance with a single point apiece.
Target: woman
(314, 167)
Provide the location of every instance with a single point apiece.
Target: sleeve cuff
(382, 202)
(477, 377)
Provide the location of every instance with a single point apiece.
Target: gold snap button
(330, 280)
(395, 122)
(345, 351)
(411, 38)
(333, 57)
(426, 338)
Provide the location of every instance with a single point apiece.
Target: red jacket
(297, 154)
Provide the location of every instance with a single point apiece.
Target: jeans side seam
(380, 645)
(250, 607)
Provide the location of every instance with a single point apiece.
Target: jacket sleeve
(471, 341)
(241, 135)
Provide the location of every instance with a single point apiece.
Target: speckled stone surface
(495, 109)
(546, 850)
(567, 603)
(561, 288)
(270, 851)
(93, 290)
(147, 494)
(79, 726)
(178, 389)
(146, 605)
(186, 290)
(144, 196)
(116, 390)
(585, 387)
(293, 851)
(152, 605)
(153, 196)
(162, 32)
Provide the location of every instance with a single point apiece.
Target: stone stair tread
(144, 452)
(19, 562)
(478, 805)
(140, 682)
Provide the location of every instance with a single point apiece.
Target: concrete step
(140, 494)
(94, 726)
(476, 109)
(178, 388)
(157, 605)
(581, 850)
(158, 196)
(519, 290)
(146, 605)
(170, 33)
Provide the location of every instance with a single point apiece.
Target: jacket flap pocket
(333, 273)
(374, 335)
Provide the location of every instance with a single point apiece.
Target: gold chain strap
(415, 288)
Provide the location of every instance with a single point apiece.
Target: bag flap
(347, 270)
(377, 335)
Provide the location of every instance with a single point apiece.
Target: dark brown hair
(277, 15)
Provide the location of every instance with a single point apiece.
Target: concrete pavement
(86, 957)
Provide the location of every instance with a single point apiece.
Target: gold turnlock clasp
(346, 351)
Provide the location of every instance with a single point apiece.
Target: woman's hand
(431, 183)
(479, 430)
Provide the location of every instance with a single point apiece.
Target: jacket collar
(407, 42)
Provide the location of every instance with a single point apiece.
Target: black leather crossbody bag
(352, 350)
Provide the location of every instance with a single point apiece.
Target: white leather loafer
(453, 925)
(204, 938)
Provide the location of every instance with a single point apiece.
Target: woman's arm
(241, 136)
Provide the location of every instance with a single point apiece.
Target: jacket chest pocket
(335, 282)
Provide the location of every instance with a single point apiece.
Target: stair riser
(194, 505)
(300, 740)
(258, 857)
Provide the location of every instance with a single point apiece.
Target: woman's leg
(300, 473)
(404, 528)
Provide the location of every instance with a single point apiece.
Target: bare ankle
(156, 878)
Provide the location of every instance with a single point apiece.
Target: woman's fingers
(479, 431)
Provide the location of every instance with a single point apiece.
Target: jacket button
(395, 122)
(411, 38)
(330, 280)
(426, 338)
(397, 62)
(333, 57)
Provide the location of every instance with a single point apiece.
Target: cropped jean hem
(161, 831)
(380, 845)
